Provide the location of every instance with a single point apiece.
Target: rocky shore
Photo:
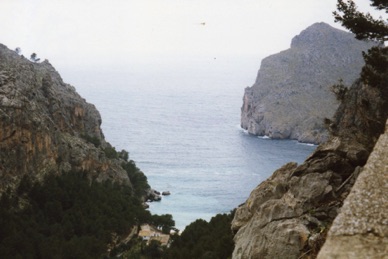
(154, 195)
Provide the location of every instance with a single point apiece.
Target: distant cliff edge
(292, 94)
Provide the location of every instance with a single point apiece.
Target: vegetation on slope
(70, 216)
(66, 216)
(201, 239)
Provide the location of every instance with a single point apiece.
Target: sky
(95, 32)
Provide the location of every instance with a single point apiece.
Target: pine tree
(363, 25)
(366, 27)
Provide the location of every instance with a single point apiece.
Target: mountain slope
(46, 127)
(64, 191)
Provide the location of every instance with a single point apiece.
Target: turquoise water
(182, 130)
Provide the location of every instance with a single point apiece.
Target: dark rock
(166, 193)
(153, 195)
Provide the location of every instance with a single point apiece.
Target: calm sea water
(181, 127)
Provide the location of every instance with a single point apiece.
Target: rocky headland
(293, 94)
(290, 214)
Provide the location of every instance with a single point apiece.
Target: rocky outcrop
(288, 215)
(292, 94)
(46, 127)
(361, 228)
(153, 195)
(166, 193)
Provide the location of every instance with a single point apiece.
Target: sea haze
(181, 127)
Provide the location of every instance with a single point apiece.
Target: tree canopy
(366, 27)
(202, 239)
(363, 25)
(66, 216)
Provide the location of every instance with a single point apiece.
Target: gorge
(47, 129)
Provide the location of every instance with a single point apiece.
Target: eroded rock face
(292, 94)
(361, 228)
(42, 121)
(288, 215)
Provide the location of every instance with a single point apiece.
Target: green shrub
(110, 152)
(203, 239)
(91, 139)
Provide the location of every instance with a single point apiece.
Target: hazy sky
(94, 31)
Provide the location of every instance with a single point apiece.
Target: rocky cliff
(289, 214)
(46, 127)
(361, 228)
(292, 94)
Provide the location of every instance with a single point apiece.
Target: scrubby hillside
(65, 191)
(46, 127)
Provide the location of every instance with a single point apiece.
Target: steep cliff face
(292, 95)
(361, 228)
(45, 125)
(288, 215)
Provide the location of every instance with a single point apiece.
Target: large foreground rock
(361, 228)
(292, 94)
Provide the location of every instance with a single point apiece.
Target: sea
(181, 125)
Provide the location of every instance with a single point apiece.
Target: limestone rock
(292, 94)
(287, 216)
(45, 125)
(361, 228)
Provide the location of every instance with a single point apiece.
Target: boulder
(153, 195)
